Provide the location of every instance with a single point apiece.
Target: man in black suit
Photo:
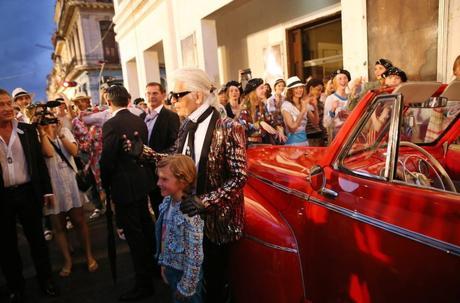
(128, 183)
(163, 126)
(24, 186)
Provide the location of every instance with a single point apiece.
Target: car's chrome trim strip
(412, 235)
(271, 245)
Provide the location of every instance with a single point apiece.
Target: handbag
(82, 176)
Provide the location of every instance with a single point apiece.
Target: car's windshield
(367, 153)
(426, 125)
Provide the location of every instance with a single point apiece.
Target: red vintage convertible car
(374, 217)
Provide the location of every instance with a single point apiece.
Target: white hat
(17, 92)
(81, 96)
(293, 82)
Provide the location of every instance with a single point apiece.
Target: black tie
(192, 126)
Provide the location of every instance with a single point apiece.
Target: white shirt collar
(197, 113)
(157, 109)
(117, 111)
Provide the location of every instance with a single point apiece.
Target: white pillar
(354, 33)
(207, 48)
(453, 37)
(130, 74)
(151, 66)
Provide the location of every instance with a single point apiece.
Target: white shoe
(48, 235)
(69, 225)
(96, 214)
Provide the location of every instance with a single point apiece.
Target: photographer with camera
(24, 188)
(59, 147)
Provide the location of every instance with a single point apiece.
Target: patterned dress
(255, 134)
(89, 139)
(65, 188)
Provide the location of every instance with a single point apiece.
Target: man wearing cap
(22, 98)
(217, 146)
(24, 188)
(89, 139)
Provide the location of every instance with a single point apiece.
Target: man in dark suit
(128, 183)
(163, 125)
(24, 186)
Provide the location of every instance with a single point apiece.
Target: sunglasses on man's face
(173, 96)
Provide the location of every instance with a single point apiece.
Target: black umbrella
(111, 248)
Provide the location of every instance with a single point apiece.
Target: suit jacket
(221, 176)
(122, 176)
(164, 132)
(38, 171)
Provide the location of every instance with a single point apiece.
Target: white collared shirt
(150, 124)
(117, 111)
(13, 159)
(98, 118)
(200, 133)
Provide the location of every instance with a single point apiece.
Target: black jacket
(165, 130)
(122, 176)
(38, 171)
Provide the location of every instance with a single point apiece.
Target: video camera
(41, 113)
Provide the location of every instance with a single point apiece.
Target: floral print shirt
(180, 244)
(89, 139)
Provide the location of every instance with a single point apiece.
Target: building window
(315, 49)
(109, 45)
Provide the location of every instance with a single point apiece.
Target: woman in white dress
(296, 111)
(68, 200)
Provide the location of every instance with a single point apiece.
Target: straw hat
(293, 82)
(18, 92)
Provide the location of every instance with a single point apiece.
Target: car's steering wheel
(434, 163)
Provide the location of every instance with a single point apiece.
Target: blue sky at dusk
(26, 27)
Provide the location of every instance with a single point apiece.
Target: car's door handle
(329, 193)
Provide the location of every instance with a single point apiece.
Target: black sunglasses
(177, 96)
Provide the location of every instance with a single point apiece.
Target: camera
(41, 113)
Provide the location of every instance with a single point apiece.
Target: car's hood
(286, 165)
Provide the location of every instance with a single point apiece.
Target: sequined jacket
(225, 177)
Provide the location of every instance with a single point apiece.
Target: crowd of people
(173, 165)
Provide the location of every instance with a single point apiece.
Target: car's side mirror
(317, 179)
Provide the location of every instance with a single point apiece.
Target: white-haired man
(217, 145)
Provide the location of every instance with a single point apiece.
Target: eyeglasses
(177, 96)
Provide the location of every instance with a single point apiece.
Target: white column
(453, 37)
(170, 45)
(354, 41)
(151, 66)
(131, 78)
(81, 38)
(207, 49)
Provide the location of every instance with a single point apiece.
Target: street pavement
(82, 286)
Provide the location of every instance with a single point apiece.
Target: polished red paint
(296, 250)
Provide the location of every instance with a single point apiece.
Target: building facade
(85, 50)
(284, 38)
